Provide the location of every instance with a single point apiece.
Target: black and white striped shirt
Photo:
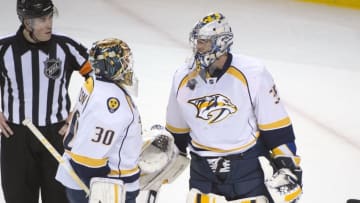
(34, 77)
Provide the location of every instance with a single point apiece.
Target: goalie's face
(203, 46)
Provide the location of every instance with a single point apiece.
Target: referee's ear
(27, 23)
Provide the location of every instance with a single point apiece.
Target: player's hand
(4, 127)
(64, 128)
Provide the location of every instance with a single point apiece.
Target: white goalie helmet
(213, 27)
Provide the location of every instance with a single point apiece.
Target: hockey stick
(56, 155)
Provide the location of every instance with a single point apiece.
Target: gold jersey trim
(213, 149)
(126, 172)
(276, 125)
(87, 161)
(237, 74)
(173, 129)
(89, 84)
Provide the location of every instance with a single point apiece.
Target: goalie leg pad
(107, 190)
(195, 195)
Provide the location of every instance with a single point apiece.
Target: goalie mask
(112, 60)
(215, 29)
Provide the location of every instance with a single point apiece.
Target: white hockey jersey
(105, 131)
(225, 115)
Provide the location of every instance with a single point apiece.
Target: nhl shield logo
(52, 68)
(113, 104)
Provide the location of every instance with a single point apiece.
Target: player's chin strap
(196, 196)
(282, 185)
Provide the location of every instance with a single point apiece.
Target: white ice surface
(312, 51)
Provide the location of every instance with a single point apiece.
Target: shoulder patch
(52, 68)
(113, 104)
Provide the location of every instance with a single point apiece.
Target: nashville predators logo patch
(52, 68)
(113, 104)
(213, 108)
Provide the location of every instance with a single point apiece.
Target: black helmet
(34, 8)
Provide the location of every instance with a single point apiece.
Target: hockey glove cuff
(284, 157)
(282, 185)
(291, 163)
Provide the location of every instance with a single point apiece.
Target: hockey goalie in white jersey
(103, 142)
(226, 109)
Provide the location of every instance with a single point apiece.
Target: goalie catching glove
(285, 184)
(160, 161)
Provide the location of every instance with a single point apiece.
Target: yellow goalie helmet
(112, 60)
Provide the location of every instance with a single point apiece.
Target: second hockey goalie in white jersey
(226, 109)
(104, 137)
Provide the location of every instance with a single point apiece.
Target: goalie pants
(26, 166)
(245, 178)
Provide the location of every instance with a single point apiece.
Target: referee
(35, 70)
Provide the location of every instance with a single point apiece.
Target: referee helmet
(33, 8)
